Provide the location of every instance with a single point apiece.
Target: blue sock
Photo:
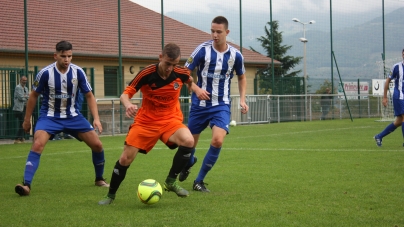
(191, 160)
(98, 161)
(208, 162)
(389, 129)
(31, 166)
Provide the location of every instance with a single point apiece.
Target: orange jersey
(160, 97)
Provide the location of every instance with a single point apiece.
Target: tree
(326, 84)
(288, 62)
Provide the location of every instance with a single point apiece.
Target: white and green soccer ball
(149, 191)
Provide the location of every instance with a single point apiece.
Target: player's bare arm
(242, 84)
(200, 93)
(92, 105)
(131, 109)
(386, 88)
(33, 97)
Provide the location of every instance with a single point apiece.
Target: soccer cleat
(22, 189)
(68, 136)
(200, 186)
(378, 140)
(174, 187)
(102, 183)
(108, 199)
(185, 172)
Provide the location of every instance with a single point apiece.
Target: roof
(92, 27)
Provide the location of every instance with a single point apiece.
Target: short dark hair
(221, 20)
(63, 46)
(172, 50)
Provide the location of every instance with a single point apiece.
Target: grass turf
(320, 173)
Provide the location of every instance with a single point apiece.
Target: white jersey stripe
(59, 90)
(400, 83)
(215, 70)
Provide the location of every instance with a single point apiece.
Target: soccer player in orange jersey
(159, 117)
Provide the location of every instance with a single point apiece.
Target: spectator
(325, 103)
(21, 95)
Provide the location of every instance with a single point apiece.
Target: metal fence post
(113, 117)
(279, 112)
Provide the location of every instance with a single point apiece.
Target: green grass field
(321, 173)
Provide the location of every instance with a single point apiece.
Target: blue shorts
(201, 117)
(398, 105)
(71, 126)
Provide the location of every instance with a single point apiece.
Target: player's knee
(216, 142)
(187, 142)
(126, 160)
(128, 155)
(97, 147)
(37, 146)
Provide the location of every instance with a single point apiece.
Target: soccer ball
(149, 191)
(233, 123)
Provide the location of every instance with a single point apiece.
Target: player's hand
(244, 108)
(26, 125)
(385, 102)
(201, 94)
(131, 111)
(97, 125)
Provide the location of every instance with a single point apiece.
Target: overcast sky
(313, 6)
(256, 15)
(346, 13)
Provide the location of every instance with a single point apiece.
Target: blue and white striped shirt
(60, 91)
(396, 74)
(215, 71)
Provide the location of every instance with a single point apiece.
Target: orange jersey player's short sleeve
(160, 97)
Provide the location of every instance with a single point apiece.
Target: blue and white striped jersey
(396, 74)
(215, 71)
(60, 91)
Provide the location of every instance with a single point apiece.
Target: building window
(111, 81)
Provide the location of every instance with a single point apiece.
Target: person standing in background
(325, 103)
(21, 95)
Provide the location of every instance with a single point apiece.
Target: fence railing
(263, 109)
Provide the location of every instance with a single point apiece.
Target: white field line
(229, 149)
(239, 148)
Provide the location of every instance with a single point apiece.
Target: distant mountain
(357, 47)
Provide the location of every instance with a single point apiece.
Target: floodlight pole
(162, 24)
(384, 49)
(304, 41)
(241, 28)
(272, 49)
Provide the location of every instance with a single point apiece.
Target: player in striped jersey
(396, 74)
(215, 62)
(159, 118)
(58, 85)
